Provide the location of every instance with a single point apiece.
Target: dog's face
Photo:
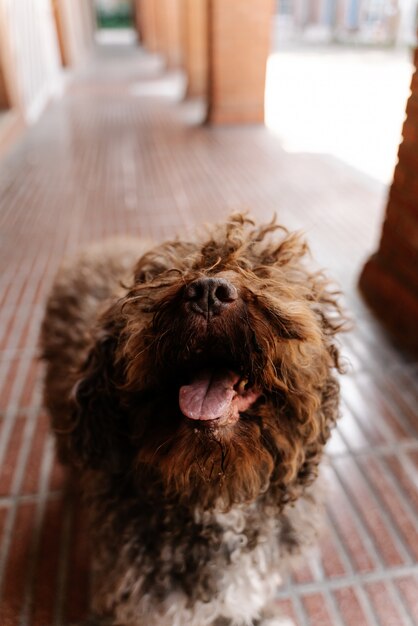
(221, 366)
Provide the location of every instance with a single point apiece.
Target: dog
(192, 388)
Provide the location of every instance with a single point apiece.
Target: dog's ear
(99, 426)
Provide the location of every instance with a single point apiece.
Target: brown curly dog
(194, 390)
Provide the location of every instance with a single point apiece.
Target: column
(146, 26)
(239, 44)
(389, 280)
(195, 46)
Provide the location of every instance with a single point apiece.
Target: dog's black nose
(210, 296)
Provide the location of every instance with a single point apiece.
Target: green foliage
(119, 18)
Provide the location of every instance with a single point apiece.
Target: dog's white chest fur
(246, 576)
(247, 579)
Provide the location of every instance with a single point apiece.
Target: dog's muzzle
(210, 296)
(215, 393)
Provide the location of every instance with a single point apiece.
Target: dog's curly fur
(192, 523)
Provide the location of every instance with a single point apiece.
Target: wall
(33, 61)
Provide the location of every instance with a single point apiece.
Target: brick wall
(33, 61)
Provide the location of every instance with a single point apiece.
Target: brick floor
(120, 153)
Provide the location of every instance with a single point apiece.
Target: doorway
(115, 22)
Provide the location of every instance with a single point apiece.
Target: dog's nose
(210, 296)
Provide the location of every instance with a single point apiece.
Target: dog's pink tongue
(209, 395)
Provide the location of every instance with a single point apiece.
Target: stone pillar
(389, 281)
(195, 38)
(239, 44)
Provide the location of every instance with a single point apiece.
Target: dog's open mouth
(216, 397)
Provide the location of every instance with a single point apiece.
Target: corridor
(123, 153)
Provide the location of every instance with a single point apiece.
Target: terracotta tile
(370, 513)
(408, 587)
(413, 456)
(375, 396)
(33, 380)
(336, 444)
(9, 464)
(57, 476)
(341, 513)
(3, 515)
(404, 392)
(6, 320)
(405, 407)
(383, 604)
(407, 526)
(16, 566)
(286, 609)
(7, 331)
(78, 575)
(331, 561)
(303, 574)
(31, 480)
(350, 608)
(8, 382)
(6, 287)
(350, 429)
(26, 332)
(316, 609)
(46, 573)
(367, 418)
(23, 281)
(405, 480)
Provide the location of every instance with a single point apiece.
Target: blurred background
(151, 117)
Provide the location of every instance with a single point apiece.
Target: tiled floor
(120, 154)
